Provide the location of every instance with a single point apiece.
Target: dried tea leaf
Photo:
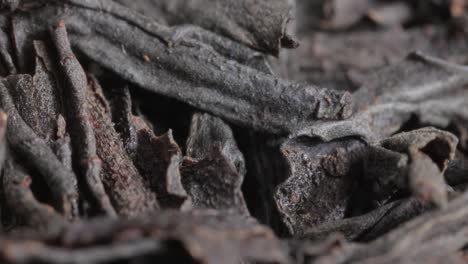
(158, 159)
(457, 170)
(75, 89)
(197, 235)
(24, 206)
(214, 182)
(421, 86)
(24, 141)
(258, 24)
(335, 248)
(45, 98)
(121, 106)
(412, 240)
(373, 224)
(129, 193)
(207, 131)
(403, 210)
(149, 8)
(14, 251)
(321, 181)
(208, 138)
(352, 227)
(63, 150)
(415, 161)
(3, 133)
(6, 60)
(344, 61)
(190, 71)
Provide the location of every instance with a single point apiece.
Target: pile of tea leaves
(233, 131)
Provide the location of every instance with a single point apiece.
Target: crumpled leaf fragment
(321, 181)
(128, 191)
(207, 131)
(158, 159)
(214, 182)
(415, 161)
(210, 139)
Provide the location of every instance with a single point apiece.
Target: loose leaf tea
(233, 131)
